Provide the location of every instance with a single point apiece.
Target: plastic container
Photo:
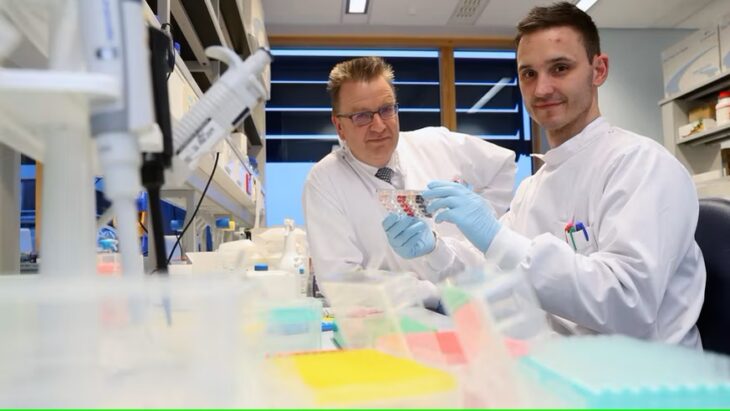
(509, 299)
(274, 285)
(283, 327)
(485, 312)
(108, 260)
(409, 202)
(383, 310)
(291, 260)
(369, 305)
(205, 262)
(722, 109)
(357, 379)
(622, 372)
(111, 342)
(238, 256)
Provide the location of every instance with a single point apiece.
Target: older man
(348, 229)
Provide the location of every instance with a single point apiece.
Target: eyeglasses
(363, 118)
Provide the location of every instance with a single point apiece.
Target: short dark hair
(560, 15)
(357, 69)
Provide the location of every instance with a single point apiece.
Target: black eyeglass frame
(371, 114)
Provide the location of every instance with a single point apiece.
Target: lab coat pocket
(585, 241)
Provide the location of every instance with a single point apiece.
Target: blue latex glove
(468, 210)
(410, 237)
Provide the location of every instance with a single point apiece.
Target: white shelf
(226, 195)
(713, 85)
(198, 21)
(227, 192)
(707, 136)
(699, 152)
(31, 102)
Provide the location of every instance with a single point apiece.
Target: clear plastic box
(381, 310)
(117, 342)
(509, 299)
(488, 368)
(370, 307)
(292, 326)
(613, 371)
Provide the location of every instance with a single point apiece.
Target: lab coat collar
(563, 152)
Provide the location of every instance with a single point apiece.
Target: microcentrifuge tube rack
(408, 202)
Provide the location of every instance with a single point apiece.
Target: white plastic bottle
(722, 109)
(277, 286)
(290, 260)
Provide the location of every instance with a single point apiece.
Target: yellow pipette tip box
(366, 377)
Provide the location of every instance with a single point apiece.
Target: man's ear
(600, 69)
(338, 126)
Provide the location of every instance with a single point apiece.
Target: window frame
(445, 47)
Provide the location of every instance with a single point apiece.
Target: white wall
(629, 97)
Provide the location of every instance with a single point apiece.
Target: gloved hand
(465, 208)
(410, 237)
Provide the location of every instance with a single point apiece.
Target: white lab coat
(641, 272)
(343, 215)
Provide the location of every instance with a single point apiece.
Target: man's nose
(543, 86)
(378, 123)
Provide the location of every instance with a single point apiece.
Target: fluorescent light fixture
(488, 96)
(585, 4)
(357, 6)
(354, 52)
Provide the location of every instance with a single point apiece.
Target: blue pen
(580, 227)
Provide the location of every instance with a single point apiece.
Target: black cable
(143, 227)
(158, 234)
(154, 164)
(167, 28)
(197, 207)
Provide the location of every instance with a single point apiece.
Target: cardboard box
(692, 61)
(703, 111)
(695, 127)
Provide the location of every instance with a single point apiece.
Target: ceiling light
(585, 4)
(491, 93)
(357, 6)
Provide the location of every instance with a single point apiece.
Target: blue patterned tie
(385, 174)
